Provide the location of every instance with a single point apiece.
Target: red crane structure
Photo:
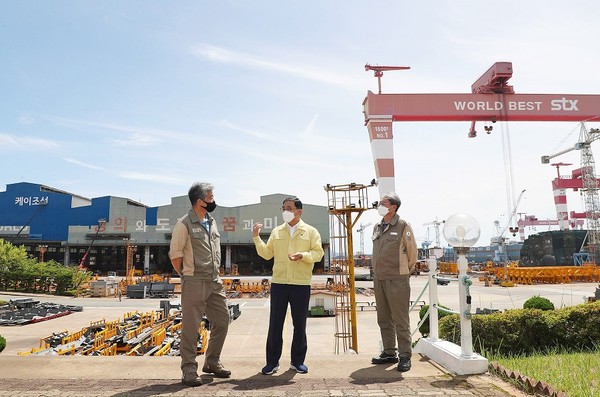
(532, 220)
(380, 69)
(560, 184)
(491, 100)
(585, 179)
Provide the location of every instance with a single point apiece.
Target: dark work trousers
(199, 297)
(298, 297)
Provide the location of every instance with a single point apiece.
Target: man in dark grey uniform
(196, 256)
(394, 259)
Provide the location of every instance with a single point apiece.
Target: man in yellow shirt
(295, 247)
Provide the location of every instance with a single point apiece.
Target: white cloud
(256, 134)
(83, 164)
(153, 177)
(27, 142)
(140, 134)
(135, 140)
(6, 139)
(301, 70)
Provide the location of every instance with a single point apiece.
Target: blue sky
(139, 99)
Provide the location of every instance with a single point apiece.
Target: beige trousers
(199, 297)
(392, 298)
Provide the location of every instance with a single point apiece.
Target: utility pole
(41, 205)
(101, 224)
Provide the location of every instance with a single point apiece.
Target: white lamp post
(462, 231)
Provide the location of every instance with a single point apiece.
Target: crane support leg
(382, 146)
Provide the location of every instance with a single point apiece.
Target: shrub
(526, 331)
(424, 328)
(577, 327)
(2, 343)
(538, 302)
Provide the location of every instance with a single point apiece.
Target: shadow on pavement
(260, 381)
(155, 389)
(454, 383)
(255, 382)
(380, 374)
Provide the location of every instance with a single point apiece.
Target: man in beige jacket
(196, 256)
(394, 259)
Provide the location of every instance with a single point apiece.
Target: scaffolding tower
(346, 203)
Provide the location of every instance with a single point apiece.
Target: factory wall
(69, 224)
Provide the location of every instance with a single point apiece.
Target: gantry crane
(491, 100)
(590, 186)
(361, 230)
(436, 224)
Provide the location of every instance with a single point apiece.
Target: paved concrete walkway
(343, 375)
(329, 375)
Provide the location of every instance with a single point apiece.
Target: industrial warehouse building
(57, 225)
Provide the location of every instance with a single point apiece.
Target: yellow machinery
(548, 274)
(149, 334)
(512, 273)
(448, 267)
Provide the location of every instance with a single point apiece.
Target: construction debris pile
(154, 333)
(29, 311)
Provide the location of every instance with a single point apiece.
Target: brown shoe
(217, 370)
(191, 380)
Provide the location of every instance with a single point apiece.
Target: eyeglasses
(288, 209)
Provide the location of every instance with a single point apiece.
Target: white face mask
(382, 210)
(287, 216)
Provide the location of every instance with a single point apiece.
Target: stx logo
(568, 105)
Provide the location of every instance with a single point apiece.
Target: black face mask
(210, 207)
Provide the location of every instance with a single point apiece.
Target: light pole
(101, 223)
(462, 232)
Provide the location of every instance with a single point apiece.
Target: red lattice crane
(589, 186)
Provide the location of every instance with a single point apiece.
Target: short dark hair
(199, 190)
(296, 200)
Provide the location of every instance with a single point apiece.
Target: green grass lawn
(576, 374)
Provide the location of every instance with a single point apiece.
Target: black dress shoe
(192, 381)
(385, 358)
(404, 364)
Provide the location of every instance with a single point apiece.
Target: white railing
(459, 359)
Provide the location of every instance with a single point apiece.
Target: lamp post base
(449, 356)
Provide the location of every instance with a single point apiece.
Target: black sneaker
(404, 364)
(385, 358)
(270, 369)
